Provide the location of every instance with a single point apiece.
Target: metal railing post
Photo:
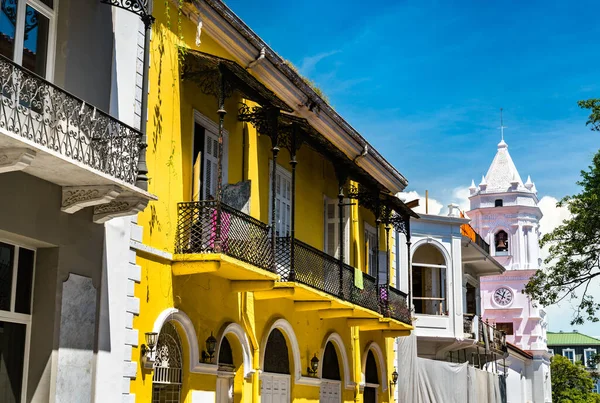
(219, 196)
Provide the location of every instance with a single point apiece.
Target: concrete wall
(67, 243)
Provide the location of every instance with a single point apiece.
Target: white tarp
(427, 381)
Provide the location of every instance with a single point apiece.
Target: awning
(205, 70)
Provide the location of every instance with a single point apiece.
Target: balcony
(321, 276)
(49, 133)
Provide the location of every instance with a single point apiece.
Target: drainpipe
(355, 331)
(260, 57)
(246, 321)
(142, 177)
(363, 154)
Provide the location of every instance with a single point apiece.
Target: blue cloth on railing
(358, 279)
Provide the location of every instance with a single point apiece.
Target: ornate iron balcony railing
(468, 231)
(491, 338)
(241, 236)
(247, 239)
(42, 113)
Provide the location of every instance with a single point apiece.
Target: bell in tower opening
(501, 243)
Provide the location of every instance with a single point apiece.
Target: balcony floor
(219, 265)
(64, 171)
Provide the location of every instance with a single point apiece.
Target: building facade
(266, 263)
(577, 347)
(504, 210)
(70, 144)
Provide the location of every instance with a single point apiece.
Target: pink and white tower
(505, 212)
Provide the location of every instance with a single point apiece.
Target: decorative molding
(15, 159)
(308, 381)
(286, 328)
(119, 207)
(236, 330)
(380, 357)
(143, 248)
(175, 315)
(336, 339)
(75, 198)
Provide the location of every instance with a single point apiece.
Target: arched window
(166, 380)
(429, 281)
(225, 354)
(501, 243)
(371, 379)
(331, 366)
(498, 203)
(277, 360)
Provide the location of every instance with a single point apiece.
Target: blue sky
(423, 81)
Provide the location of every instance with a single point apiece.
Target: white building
(504, 210)
(70, 108)
(452, 355)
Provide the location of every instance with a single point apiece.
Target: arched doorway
(331, 380)
(429, 281)
(371, 379)
(166, 380)
(276, 376)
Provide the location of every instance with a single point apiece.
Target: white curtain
(427, 381)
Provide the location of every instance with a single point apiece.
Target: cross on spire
(502, 127)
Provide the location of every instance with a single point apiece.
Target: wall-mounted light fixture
(211, 346)
(314, 366)
(148, 353)
(394, 380)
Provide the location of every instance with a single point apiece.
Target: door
(283, 201)
(332, 229)
(371, 248)
(331, 392)
(275, 388)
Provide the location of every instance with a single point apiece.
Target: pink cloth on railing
(225, 225)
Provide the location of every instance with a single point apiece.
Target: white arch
(336, 339)
(175, 315)
(238, 332)
(372, 346)
(431, 241)
(286, 328)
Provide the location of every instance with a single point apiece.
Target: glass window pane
(7, 253)
(12, 349)
(49, 3)
(8, 20)
(36, 41)
(24, 281)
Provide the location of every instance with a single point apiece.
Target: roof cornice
(243, 44)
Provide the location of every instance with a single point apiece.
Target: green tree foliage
(574, 259)
(571, 383)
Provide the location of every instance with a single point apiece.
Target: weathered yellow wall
(205, 298)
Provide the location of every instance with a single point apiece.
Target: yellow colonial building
(266, 263)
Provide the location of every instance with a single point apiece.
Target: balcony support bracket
(15, 159)
(336, 313)
(305, 306)
(275, 293)
(75, 198)
(119, 207)
(251, 285)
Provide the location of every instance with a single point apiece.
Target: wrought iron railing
(468, 231)
(397, 307)
(496, 339)
(248, 239)
(47, 115)
(468, 324)
(241, 236)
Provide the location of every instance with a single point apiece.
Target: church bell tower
(504, 211)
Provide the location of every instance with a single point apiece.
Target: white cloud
(310, 62)
(434, 206)
(553, 217)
